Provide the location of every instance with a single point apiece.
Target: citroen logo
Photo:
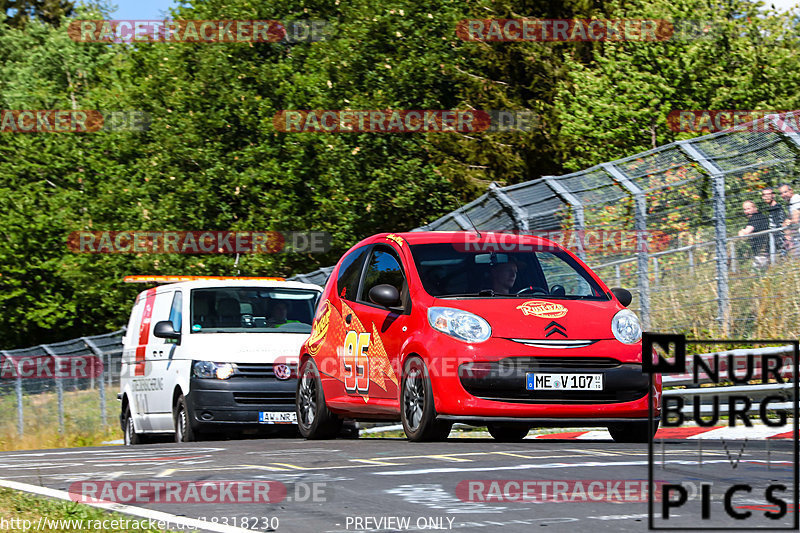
(554, 327)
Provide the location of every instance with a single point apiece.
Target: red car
(503, 330)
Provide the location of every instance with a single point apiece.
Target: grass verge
(20, 509)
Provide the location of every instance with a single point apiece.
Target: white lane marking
(287, 452)
(378, 463)
(126, 509)
(550, 465)
(166, 472)
(104, 453)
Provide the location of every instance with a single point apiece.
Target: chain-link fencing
(71, 382)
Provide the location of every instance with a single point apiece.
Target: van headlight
(210, 370)
(462, 325)
(625, 327)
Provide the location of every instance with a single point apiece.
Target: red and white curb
(756, 432)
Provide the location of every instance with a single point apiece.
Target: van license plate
(277, 417)
(539, 381)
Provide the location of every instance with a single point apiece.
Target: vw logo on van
(282, 371)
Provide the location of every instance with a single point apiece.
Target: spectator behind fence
(777, 216)
(793, 220)
(756, 222)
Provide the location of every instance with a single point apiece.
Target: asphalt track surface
(362, 481)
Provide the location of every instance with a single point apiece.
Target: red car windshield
(447, 271)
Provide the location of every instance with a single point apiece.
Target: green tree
(19, 12)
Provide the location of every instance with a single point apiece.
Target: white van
(213, 355)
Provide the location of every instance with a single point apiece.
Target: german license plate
(277, 417)
(540, 381)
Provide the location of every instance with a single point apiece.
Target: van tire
(130, 436)
(314, 419)
(417, 411)
(183, 424)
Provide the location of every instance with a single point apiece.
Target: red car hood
(532, 318)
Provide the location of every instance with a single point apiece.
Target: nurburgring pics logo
(714, 120)
(198, 31)
(404, 121)
(71, 121)
(198, 242)
(744, 475)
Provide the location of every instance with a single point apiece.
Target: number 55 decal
(356, 363)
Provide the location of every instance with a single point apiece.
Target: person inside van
(278, 314)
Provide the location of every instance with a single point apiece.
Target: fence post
(59, 386)
(92, 346)
(720, 230)
(655, 271)
(640, 225)
(517, 213)
(771, 248)
(18, 387)
(576, 206)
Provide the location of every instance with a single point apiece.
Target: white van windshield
(252, 310)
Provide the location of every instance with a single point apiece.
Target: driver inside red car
(502, 277)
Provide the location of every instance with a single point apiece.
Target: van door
(160, 379)
(130, 343)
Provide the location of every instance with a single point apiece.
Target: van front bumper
(238, 401)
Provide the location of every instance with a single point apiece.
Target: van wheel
(631, 431)
(183, 426)
(507, 432)
(130, 436)
(314, 419)
(417, 411)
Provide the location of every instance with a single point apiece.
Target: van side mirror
(164, 330)
(623, 295)
(384, 295)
